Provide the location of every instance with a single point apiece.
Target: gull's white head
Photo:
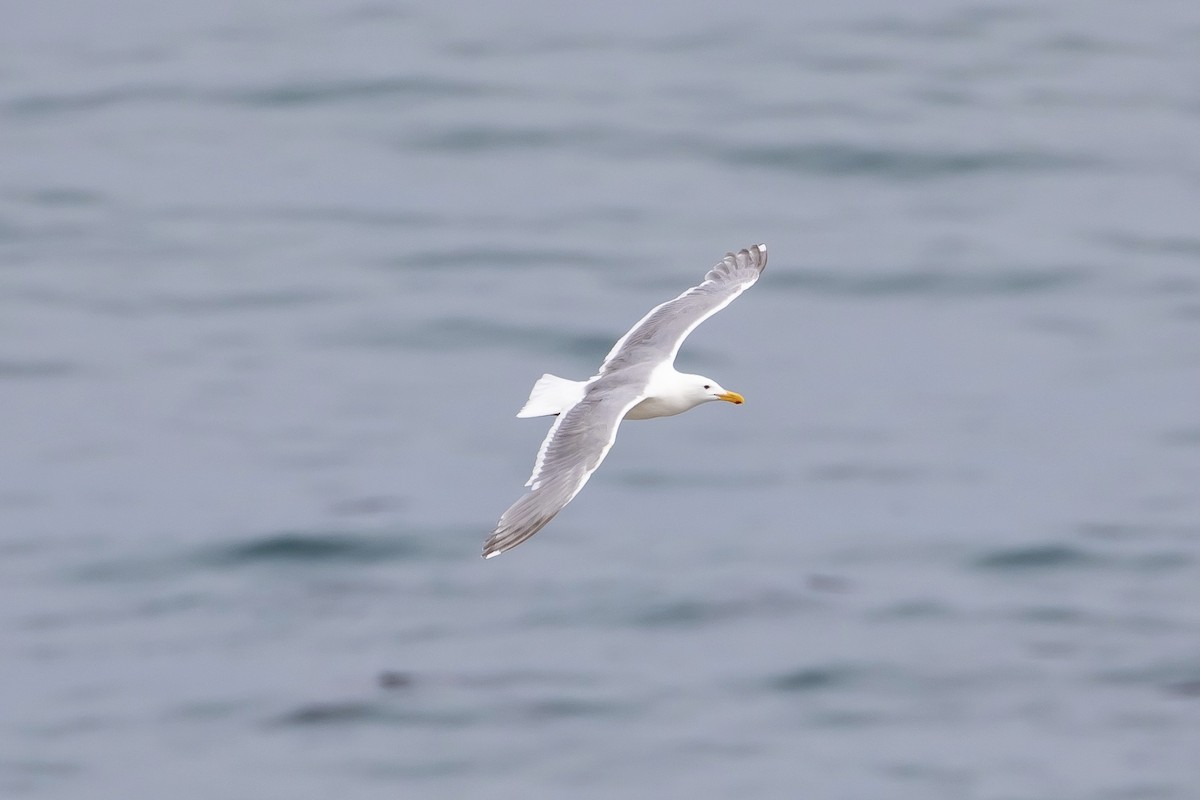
(702, 389)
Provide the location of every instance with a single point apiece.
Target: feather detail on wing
(578, 441)
(658, 335)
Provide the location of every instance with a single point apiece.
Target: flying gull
(637, 380)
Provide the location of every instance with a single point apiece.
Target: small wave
(281, 95)
(1182, 246)
(483, 138)
(350, 90)
(894, 164)
(1034, 557)
(275, 548)
(691, 612)
(811, 679)
(307, 547)
(67, 102)
(36, 369)
(332, 713)
(933, 282)
(373, 712)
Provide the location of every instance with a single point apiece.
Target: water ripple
(893, 163)
(1038, 556)
(289, 547)
(279, 95)
(945, 282)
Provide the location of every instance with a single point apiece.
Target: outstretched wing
(578, 441)
(658, 335)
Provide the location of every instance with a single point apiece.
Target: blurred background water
(274, 279)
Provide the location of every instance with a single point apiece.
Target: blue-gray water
(275, 277)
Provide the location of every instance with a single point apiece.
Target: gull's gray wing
(657, 336)
(578, 441)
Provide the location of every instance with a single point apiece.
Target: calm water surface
(275, 278)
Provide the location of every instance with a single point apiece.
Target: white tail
(552, 395)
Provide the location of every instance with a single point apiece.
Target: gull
(637, 380)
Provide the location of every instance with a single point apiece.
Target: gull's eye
(707, 386)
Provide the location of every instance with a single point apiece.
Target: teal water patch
(1036, 557)
(311, 93)
(281, 95)
(342, 713)
(289, 547)
(490, 138)
(95, 99)
(837, 158)
(317, 549)
(333, 713)
(933, 282)
(812, 679)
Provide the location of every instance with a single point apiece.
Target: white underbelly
(653, 407)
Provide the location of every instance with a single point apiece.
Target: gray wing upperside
(578, 441)
(659, 334)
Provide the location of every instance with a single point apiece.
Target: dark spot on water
(489, 138)
(808, 679)
(37, 104)
(394, 679)
(331, 713)
(566, 707)
(1047, 556)
(306, 547)
(352, 90)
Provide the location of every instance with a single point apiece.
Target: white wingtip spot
(492, 554)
